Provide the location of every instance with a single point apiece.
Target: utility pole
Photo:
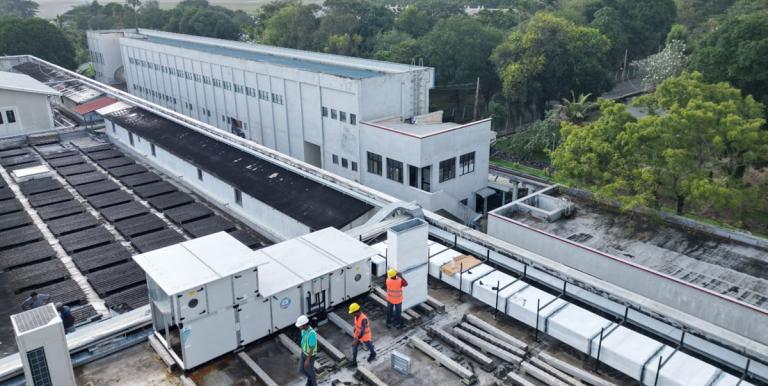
(624, 67)
(477, 94)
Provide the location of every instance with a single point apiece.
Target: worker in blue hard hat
(308, 350)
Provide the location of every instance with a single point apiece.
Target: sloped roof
(94, 105)
(24, 83)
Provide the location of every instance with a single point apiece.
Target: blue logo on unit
(285, 303)
(185, 334)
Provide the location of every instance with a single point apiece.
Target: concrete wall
(252, 211)
(105, 55)
(33, 113)
(710, 306)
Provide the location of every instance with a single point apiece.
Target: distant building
(308, 105)
(24, 106)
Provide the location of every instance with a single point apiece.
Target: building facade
(24, 106)
(308, 105)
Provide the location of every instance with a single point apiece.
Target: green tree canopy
(737, 52)
(292, 26)
(691, 13)
(38, 37)
(548, 58)
(20, 8)
(414, 21)
(396, 46)
(693, 149)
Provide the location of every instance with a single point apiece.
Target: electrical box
(43, 347)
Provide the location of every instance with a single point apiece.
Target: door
(207, 338)
(254, 319)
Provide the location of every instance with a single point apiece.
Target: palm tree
(576, 110)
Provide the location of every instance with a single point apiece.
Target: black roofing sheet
(301, 198)
(26, 254)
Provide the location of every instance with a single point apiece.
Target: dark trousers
(309, 372)
(368, 345)
(397, 310)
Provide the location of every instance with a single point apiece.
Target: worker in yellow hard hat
(362, 334)
(395, 284)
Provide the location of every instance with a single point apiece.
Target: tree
(548, 58)
(36, 37)
(472, 60)
(691, 13)
(291, 26)
(737, 52)
(20, 8)
(414, 21)
(396, 46)
(693, 149)
(210, 23)
(658, 67)
(609, 22)
(363, 18)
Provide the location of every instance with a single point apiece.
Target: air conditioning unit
(43, 347)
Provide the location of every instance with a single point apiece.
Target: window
(354, 166)
(238, 197)
(342, 116)
(335, 159)
(130, 60)
(447, 169)
(467, 163)
(1, 118)
(353, 119)
(239, 88)
(152, 149)
(179, 73)
(11, 116)
(198, 78)
(227, 86)
(216, 82)
(344, 163)
(250, 91)
(277, 98)
(188, 75)
(324, 111)
(413, 176)
(334, 114)
(374, 163)
(199, 174)
(426, 178)
(264, 95)
(395, 170)
(130, 138)
(206, 79)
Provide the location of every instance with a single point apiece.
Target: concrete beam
(341, 324)
(260, 373)
(383, 294)
(161, 351)
(574, 371)
(541, 375)
(369, 377)
(492, 339)
(383, 303)
(330, 349)
(426, 308)
(485, 362)
(518, 379)
(487, 347)
(557, 373)
(413, 313)
(487, 327)
(294, 349)
(436, 304)
(466, 375)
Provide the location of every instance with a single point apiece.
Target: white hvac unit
(408, 253)
(43, 347)
(352, 254)
(282, 289)
(192, 295)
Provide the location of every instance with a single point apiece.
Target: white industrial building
(24, 106)
(311, 106)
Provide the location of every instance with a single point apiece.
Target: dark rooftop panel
(19, 236)
(67, 292)
(96, 188)
(109, 199)
(123, 211)
(49, 198)
(93, 149)
(250, 239)
(156, 240)
(67, 161)
(39, 185)
(105, 155)
(84, 314)
(26, 254)
(115, 162)
(187, 213)
(170, 200)
(10, 206)
(100, 257)
(18, 160)
(128, 170)
(129, 299)
(13, 153)
(71, 224)
(208, 226)
(75, 169)
(85, 239)
(39, 72)
(14, 220)
(24, 165)
(59, 154)
(140, 225)
(116, 278)
(35, 275)
(154, 189)
(140, 179)
(87, 178)
(6, 194)
(301, 198)
(62, 209)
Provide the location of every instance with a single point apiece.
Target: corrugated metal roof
(94, 105)
(24, 83)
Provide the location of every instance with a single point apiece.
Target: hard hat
(302, 320)
(354, 307)
(391, 272)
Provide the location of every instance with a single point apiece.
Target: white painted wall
(107, 44)
(32, 111)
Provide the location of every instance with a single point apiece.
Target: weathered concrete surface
(138, 365)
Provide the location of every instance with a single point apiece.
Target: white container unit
(484, 289)
(467, 277)
(577, 327)
(354, 256)
(681, 370)
(437, 261)
(282, 288)
(627, 351)
(523, 304)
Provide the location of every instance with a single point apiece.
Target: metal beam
(466, 374)
(485, 362)
(496, 351)
(260, 373)
(487, 327)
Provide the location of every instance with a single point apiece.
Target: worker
(362, 334)
(66, 318)
(308, 350)
(395, 284)
(35, 300)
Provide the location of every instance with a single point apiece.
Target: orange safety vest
(394, 290)
(359, 324)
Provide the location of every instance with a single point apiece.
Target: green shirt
(308, 341)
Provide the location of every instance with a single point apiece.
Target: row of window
(10, 117)
(345, 163)
(226, 85)
(338, 115)
(159, 95)
(97, 57)
(446, 171)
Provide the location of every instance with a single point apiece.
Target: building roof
(41, 73)
(303, 199)
(24, 83)
(420, 129)
(278, 60)
(94, 105)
